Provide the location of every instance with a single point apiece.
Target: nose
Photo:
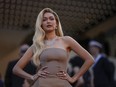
(48, 20)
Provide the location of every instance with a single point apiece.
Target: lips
(49, 26)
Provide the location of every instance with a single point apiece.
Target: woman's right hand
(41, 73)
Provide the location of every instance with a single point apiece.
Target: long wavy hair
(39, 36)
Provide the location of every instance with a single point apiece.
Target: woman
(50, 53)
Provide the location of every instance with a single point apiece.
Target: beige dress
(55, 59)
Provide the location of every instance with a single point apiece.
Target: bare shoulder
(32, 46)
(31, 49)
(67, 38)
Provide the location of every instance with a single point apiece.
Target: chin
(50, 30)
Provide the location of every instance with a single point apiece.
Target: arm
(18, 68)
(79, 50)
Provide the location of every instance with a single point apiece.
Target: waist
(52, 76)
(54, 69)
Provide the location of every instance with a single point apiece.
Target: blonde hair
(38, 39)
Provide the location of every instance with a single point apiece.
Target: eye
(44, 19)
(51, 18)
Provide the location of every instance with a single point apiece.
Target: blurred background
(81, 19)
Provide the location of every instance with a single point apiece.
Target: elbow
(14, 70)
(91, 61)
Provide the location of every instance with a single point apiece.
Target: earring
(56, 28)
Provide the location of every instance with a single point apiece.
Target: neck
(50, 40)
(50, 36)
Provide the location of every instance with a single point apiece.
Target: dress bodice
(55, 59)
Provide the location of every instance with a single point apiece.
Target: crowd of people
(12, 80)
(101, 73)
(46, 62)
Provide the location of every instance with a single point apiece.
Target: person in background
(50, 52)
(103, 69)
(87, 79)
(12, 80)
(80, 82)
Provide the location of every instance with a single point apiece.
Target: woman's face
(49, 22)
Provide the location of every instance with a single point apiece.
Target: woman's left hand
(64, 75)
